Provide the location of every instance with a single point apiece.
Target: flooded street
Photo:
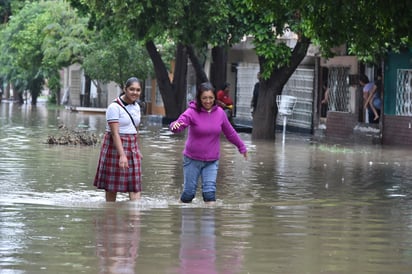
(298, 207)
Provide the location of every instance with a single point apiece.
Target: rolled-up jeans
(192, 170)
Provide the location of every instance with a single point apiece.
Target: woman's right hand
(177, 125)
(123, 163)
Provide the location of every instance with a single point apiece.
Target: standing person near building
(253, 103)
(119, 167)
(325, 101)
(205, 122)
(371, 98)
(224, 100)
(379, 90)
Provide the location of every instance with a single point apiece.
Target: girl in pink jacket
(205, 122)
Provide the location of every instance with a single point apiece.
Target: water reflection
(197, 242)
(301, 207)
(117, 240)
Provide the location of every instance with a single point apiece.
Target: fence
(300, 85)
(404, 92)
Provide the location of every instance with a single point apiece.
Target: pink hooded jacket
(205, 127)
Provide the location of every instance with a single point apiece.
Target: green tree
(368, 32)
(111, 56)
(146, 20)
(39, 40)
(369, 29)
(277, 61)
(192, 25)
(5, 11)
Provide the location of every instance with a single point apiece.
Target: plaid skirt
(109, 176)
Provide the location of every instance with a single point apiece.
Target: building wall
(246, 79)
(156, 104)
(340, 124)
(112, 90)
(397, 130)
(73, 88)
(73, 83)
(350, 61)
(393, 62)
(301, 85)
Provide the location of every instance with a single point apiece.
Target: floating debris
(73, 137)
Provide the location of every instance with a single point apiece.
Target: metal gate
(404, 92)
(300, 85)
(338, 85)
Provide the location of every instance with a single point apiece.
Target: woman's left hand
(245, 155)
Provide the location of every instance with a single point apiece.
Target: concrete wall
(340, 125)
(113, 90)
(397, 130)
(243, 58)
(73, 83)
(349, 61)
(246, 79)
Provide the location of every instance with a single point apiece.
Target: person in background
(253, 103)
(325, 101)
(119, 167)
(224, 100)
(205, 122)
(379, 91)
(371, 98)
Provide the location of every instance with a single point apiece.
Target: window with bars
(338, 84)
(403, 92)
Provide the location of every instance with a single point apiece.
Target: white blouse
(116, 113)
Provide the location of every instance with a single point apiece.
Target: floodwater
(298, 207)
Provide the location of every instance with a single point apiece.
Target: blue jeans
(192, 170)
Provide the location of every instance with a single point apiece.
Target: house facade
(342, 118)
(397, 99)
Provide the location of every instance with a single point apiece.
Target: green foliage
(368, 29)
(267, 22)
(53, 83)
(5, 10)
(40, 39)
(115, 57)
(195, 23)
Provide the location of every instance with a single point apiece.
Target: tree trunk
(20, 98)
(173, 92)
(35, 86)
(58, 97)
(34, 99)
(200, 72)
(218, 69)
(163, 81)
(87, 86)
(264, 119)
(179, 78)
